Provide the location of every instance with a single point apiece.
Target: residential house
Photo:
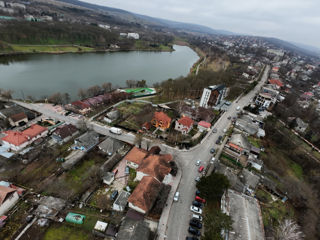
(250, 125)
(8, 198)
(81, 107)
(161, 120)
(184, 125)
(108, 178)
(134, 157)
(17, 140)
(133, 35)
(264, 100)
(121, 202)
(255, 162)
(239, 144)
(64, 133)
(204, 126)
(156, 166)
(212, 96)
(246, 216)
(301, 126)
(86, 141)
(111, 116)
(110, 145)
(131, 229)
(18, 119)
(277, 83)
(144, 195)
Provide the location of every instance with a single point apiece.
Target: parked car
(191, 238)
(198, 217)
(225, 130)
(195, 209)
(114, 195)
(214, 130)
(212, 150)
(194, 231)
(229, 117)
(197, 179)
(201, 168)
(197, 193)
(212, 160)
(195, 223)
(199, 199)
(198, 163)
(127, 170)
(219, 140)
(176, 197)
(197, 204)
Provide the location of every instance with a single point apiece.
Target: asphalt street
(180, 213)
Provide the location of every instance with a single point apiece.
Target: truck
(115, 130)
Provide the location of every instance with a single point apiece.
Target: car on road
(214, 130)
(219, 139)
(229, 117)
(201, 168)
(238, 108)
(198, 217)
(199, 199)
(197, 179)
(225, 130)
(176, 197)
(212, 150)
(194, 231)
(197, 204)
(191, 238)
(197, 193)
(198, 163)
(212, 160)
(195, 209)
(195, 223)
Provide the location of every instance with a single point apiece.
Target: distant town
(230, 151)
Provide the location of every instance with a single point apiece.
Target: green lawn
(65, 232)
(296, 170)
(131, 108)
(254, 141)
(48, 48)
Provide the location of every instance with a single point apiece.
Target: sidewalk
(162, 227)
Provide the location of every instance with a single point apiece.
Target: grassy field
(65, 232)
(49, 48)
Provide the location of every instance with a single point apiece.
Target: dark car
(191, 238)
(195, 223)
(212, 150)
(194, 231)
(114, 195)
(219, 140)
(197, 193)
(197, 204)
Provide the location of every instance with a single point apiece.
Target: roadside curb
(162, 227)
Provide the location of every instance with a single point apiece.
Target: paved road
(179, 214)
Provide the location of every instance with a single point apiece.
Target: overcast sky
(292, 20)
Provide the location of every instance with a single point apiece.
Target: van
(176, 197)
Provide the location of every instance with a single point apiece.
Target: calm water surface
(43, 75)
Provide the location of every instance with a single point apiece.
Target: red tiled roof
(235, 146)
(186, 121)
(204, 124)
(156, 166)
(146, 125)
(19, 116)
(17, 138)
(276, 82)
(136, 155)
(310, 94)
(161, 116)
(80, 104)
(145, 194)
(4, 191)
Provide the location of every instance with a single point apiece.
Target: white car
(196, 209)
(198, 163)
(176, 197)
(196, 216)
(212, 160)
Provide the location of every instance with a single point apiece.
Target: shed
(75, 218)
(121, 202)
(101, 226)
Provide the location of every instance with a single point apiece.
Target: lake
(45, 74)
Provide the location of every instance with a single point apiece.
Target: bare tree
(66, 97)
(7, 94)
(289, 230)
(106, 87)
(56, 98)
(82, 93)
(93, 91)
